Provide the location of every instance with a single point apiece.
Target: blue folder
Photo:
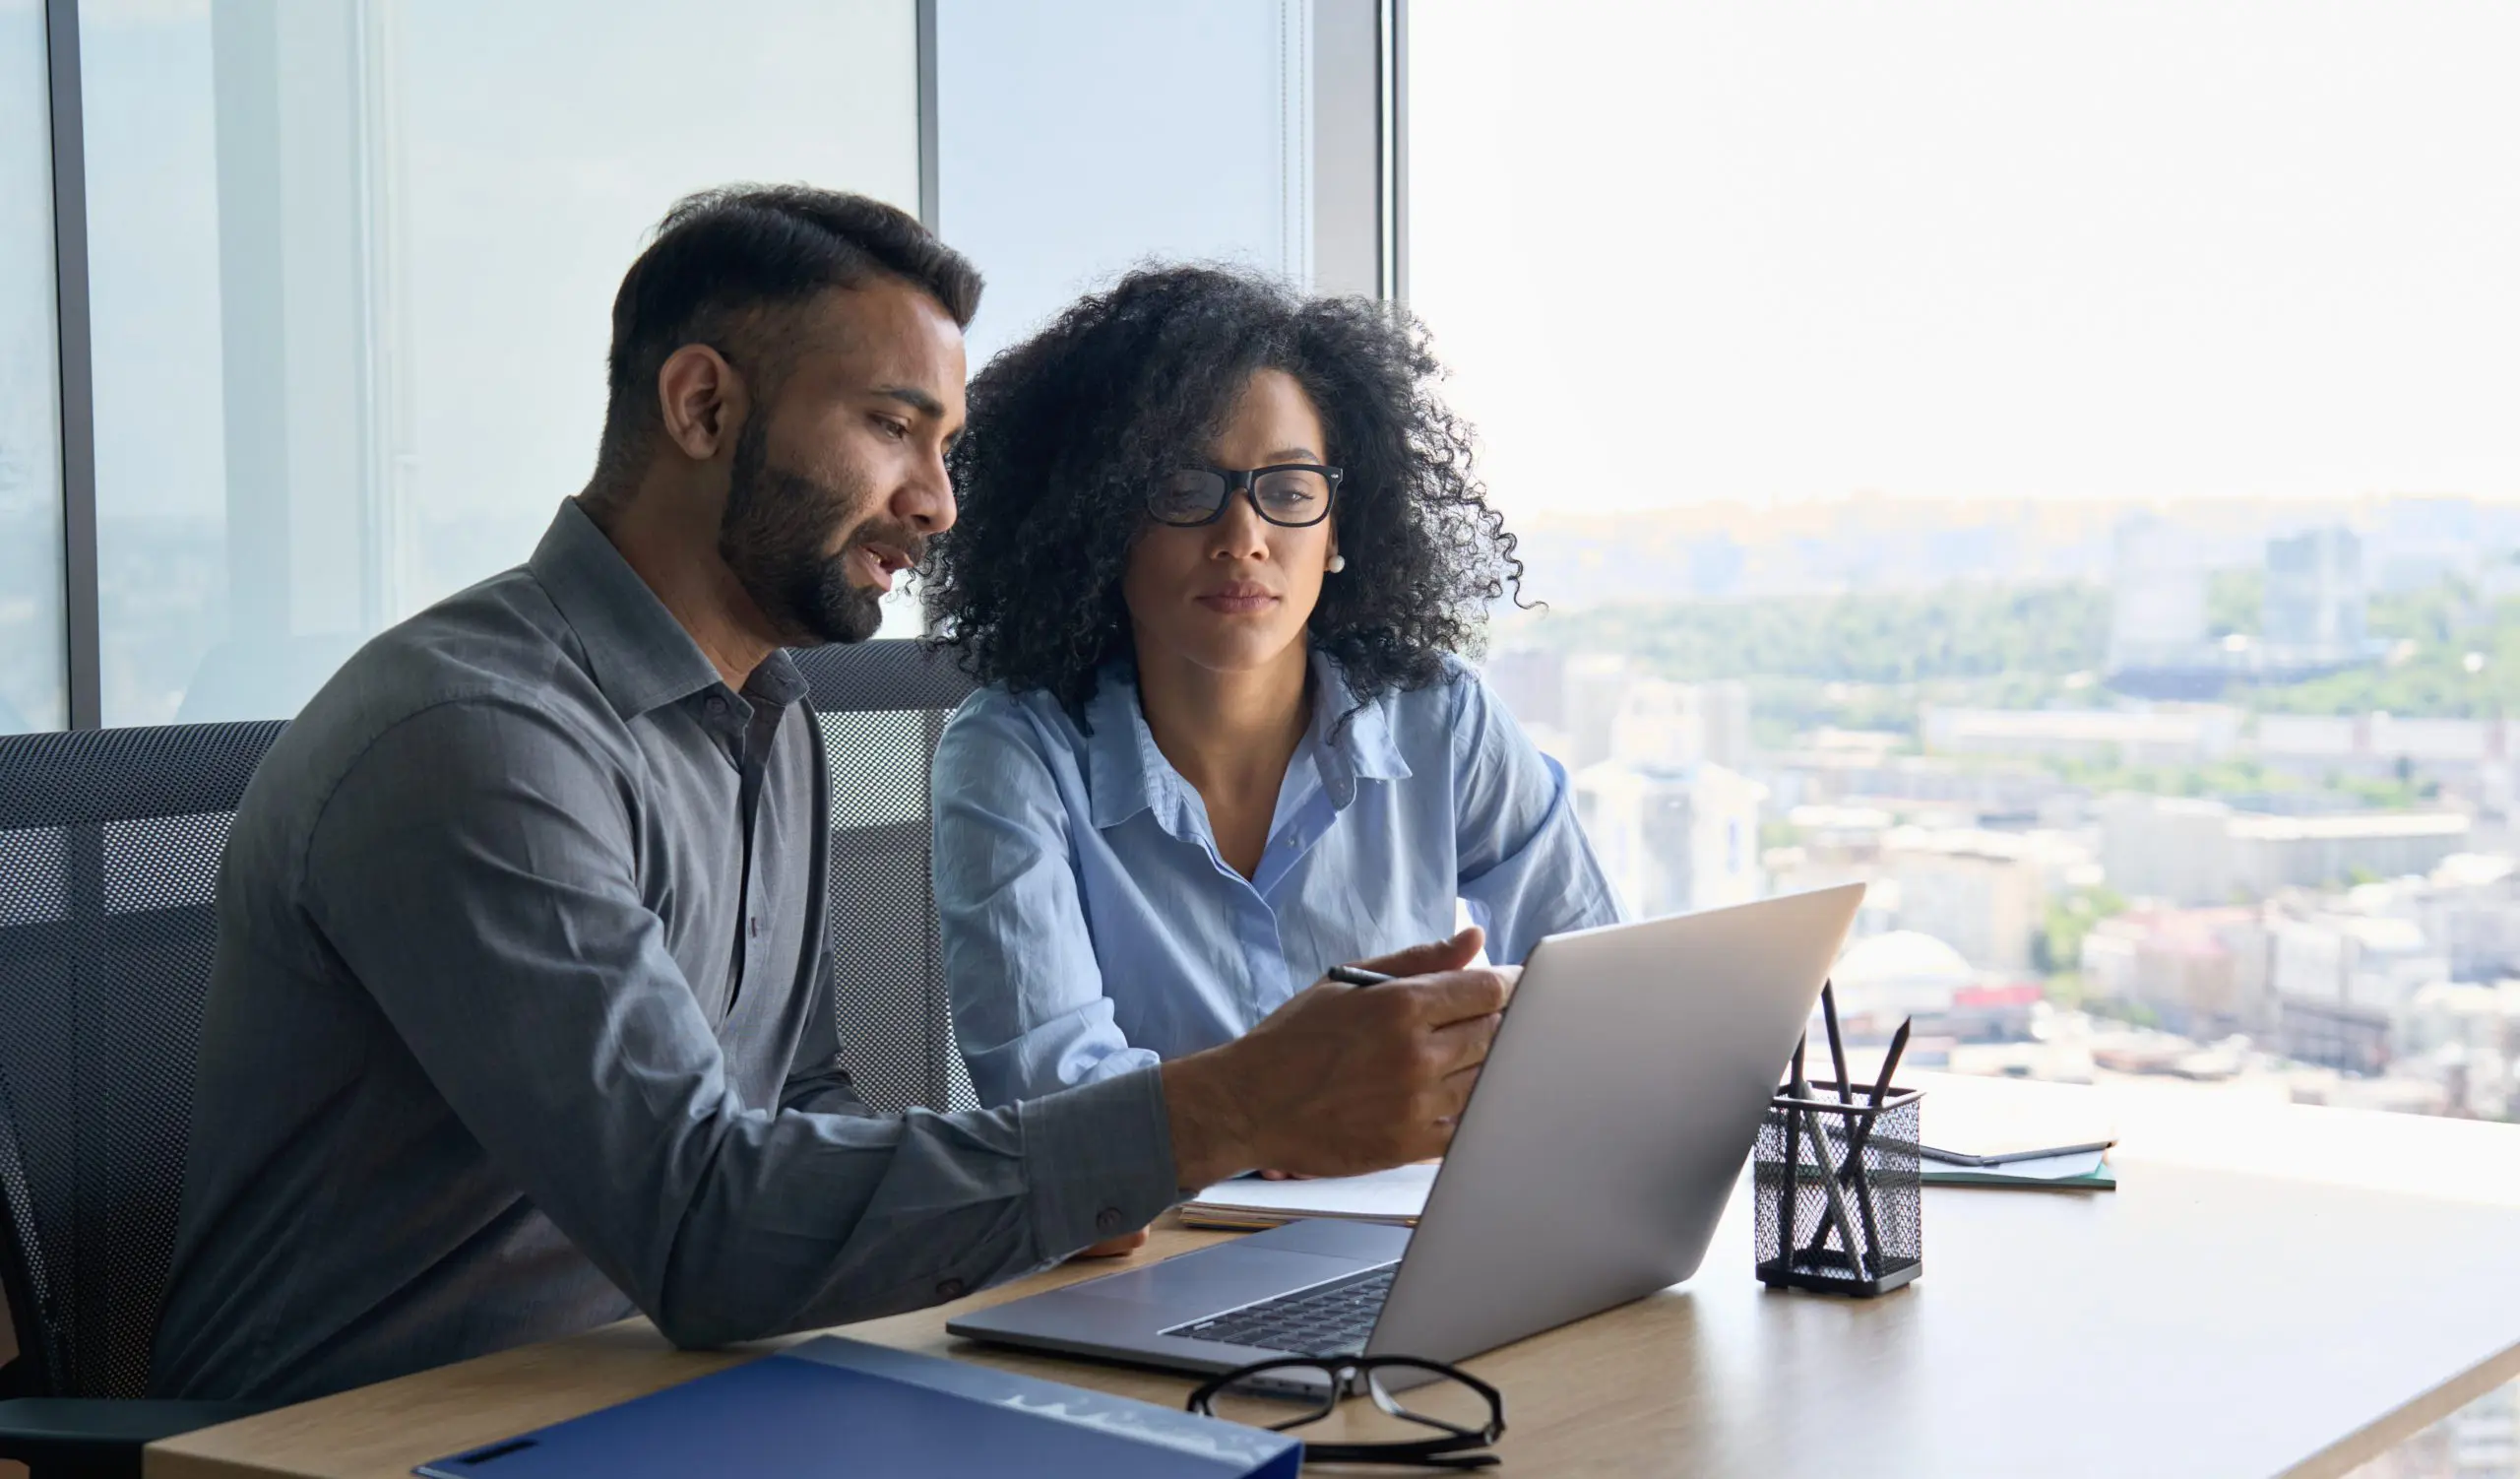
(843, 1407)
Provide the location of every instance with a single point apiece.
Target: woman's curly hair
(1068, 431)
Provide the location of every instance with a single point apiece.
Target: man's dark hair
(1069, 429)
(722, 258)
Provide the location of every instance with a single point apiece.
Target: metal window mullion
(78, 368)
(928, 116)
(1395, 150)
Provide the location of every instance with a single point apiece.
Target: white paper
(1395, 1195)
(2046, 1168)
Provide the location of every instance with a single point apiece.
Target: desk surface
(2298, 1317)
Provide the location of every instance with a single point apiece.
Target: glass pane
(353, 268)
(2052, 464)
(1196, 120)
(33, 673)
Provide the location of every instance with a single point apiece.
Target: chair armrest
(74, 1437)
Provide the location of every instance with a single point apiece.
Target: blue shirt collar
(1350, 741)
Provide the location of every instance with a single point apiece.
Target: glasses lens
(1276, 1399)
(1187, 497)
(1433, 1398)
(1292, 495)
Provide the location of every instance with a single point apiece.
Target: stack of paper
(1248, 1203)
(2078, 1171)
(1966, 1145)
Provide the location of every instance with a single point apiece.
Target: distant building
(2422, 541)
(1864, 768)
(1724, 708)
(2188, 851)
(2333, 1035)
(2314, 610)
(1882, 980)
(1660, 722)
(2174, 849)
(2202, 972)
(1595, 690)
(2468, 1035)
(1673, 838)
(2369, 963)
(2273, 853)
(2371, 743)
(2470, 908)
(2157, 596)
(1979, 892)
(2173, 735)
(1994, 1013)
(1532, 681)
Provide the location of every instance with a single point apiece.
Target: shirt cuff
(1098, 1159)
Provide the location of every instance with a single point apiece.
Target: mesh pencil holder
(1857, 1227)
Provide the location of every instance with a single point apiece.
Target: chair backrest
(109, 847)
(881, 706)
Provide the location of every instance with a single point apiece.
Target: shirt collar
(1127, 772)
(1351, 735)
(641, 657)
(1350, 739)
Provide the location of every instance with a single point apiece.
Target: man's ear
(700, 401)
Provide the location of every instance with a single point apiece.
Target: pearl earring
(1338, 562)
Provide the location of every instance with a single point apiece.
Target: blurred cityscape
(2220, 791)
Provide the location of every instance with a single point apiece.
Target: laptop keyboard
(1326, 1320)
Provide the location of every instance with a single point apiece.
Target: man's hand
(1341, 1079)
(1114, 1248)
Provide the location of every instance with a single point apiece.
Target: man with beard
(520, 1019)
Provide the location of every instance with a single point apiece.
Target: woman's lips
(1238, 603)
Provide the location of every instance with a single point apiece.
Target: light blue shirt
(1091, 928)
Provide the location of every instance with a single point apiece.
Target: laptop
(1596, 1155)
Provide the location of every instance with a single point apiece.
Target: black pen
(1862, 1138)
(1881, 1087)
(1837, 1044)
(1790, 1197)
(1357, 975)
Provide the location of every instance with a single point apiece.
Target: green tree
(2058, 945)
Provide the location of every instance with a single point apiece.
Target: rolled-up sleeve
(1526, 870)
(475, 870)
(1029, 1004)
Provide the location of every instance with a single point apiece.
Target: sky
(2002, 248)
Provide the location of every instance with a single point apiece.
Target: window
(2052, 463)
(351, 271)
(34, 677)
(1080, 139)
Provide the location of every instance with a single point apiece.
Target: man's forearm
(1211, 1134)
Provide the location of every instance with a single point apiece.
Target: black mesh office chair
(881, 706)
(110, 846)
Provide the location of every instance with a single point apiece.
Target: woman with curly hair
(1216, 548)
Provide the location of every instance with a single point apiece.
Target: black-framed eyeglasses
(1261, 1394)
(1290, 494)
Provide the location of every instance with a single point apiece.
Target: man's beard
(777, 527)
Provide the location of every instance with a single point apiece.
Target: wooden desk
(2203, 1320)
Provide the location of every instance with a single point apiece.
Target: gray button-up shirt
(521, 1020)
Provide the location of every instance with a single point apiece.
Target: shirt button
(717, 706)
(1107, 1221)
(951, 1289)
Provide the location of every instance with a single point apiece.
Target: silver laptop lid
(1611, 1120)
